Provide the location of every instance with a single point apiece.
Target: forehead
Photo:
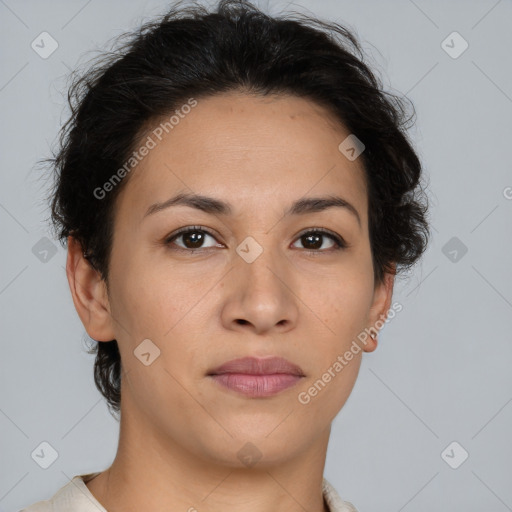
(248, 150)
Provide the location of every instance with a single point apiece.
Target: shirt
(76, 497)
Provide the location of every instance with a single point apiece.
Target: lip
(258, 366)
(257, 377)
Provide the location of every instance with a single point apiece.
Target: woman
(237, 194)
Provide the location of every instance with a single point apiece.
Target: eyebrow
(215, 206)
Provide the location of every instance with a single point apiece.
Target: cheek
(151, 300)
(149, 305)
(350, 314)
(328, 387)
(161, 311)
(356, 291)
(345, 302)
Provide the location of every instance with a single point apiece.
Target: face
(253, 277)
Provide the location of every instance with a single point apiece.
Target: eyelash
(339, 241)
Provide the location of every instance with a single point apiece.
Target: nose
(261, 296)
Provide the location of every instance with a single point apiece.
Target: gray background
(442, 369)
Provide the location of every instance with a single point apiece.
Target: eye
(314, 239)
(193, 238)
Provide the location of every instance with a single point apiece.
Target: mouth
(257, 377)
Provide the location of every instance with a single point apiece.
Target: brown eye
(192, 238)
(313, 241)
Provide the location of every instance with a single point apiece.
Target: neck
(152, 471)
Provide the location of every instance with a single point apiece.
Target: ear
(382, 295)
(89, 294)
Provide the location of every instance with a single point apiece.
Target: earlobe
(382, 297)
(371, 343)
(89, 294)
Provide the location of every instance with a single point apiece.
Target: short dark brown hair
(192, 52)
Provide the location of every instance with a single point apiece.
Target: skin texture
(180, 432)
